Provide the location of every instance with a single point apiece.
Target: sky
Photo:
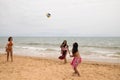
(68, 18)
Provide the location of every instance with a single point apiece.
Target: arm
(6, 47)
(67, 47)
(71, 56)
(12, 43)
(68, 50)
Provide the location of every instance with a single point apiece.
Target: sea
(102, 49)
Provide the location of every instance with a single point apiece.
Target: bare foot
(74, 73)
(78, 74)
(65, 62)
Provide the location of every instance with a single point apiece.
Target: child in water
(77, 59)
(9, 48)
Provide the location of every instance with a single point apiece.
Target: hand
(71, 56)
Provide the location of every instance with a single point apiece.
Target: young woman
(64, 49)
(9, 48)
(77, 59)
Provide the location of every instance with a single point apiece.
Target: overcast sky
(68, 18)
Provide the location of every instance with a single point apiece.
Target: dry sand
(29, 68)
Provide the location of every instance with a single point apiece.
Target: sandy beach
(31, 68)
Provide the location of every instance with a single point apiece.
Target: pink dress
(76, 61)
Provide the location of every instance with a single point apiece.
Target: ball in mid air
(48, 15)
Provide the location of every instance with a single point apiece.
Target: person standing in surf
(64, 49)
(9, 48)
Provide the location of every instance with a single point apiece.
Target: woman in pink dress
(77, 59)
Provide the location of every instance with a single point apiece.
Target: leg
(11, 55)
(76, 71)
(7, 55)
(65, 60)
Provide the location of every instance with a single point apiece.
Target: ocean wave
(28, 47)
(52, 44)
(113, 55)
(118, 53)
(106, 47)
(37, 48)
(51, 49)
(103, 53)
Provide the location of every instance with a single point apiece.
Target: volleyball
(48, 15)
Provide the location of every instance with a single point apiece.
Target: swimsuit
(9, 46)
(64, 52)
(76, 61)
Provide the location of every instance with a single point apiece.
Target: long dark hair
(64, 43)
(10, 38)
(75, 47)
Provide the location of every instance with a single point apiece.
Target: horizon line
(61, 36)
